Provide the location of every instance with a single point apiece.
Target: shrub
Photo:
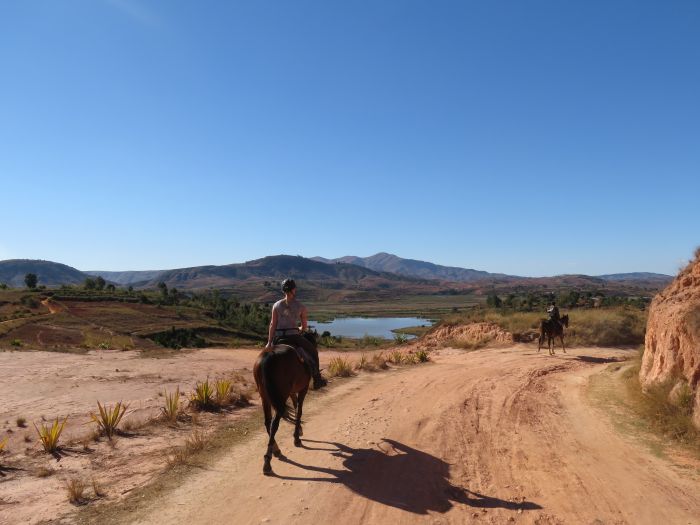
(203, 396)
(364, 364)
(21, 422)
(370, 340)
(16, 342)
(400, 339)
(339, 367)
(171, 410)
(109, 418)
(49, 436)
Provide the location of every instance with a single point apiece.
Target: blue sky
(530, 138)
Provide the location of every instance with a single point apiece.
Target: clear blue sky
(531, 138)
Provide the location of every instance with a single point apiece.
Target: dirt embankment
(465, 335)
(672, 344)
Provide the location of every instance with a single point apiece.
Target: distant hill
(127, 278)
(638, 276)
(12, 272)
(273, 268)
(386, 262)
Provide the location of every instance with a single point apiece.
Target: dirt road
(492, 436)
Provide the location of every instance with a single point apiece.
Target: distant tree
(100, 283)
(30, 280)
(3, 286)
(90, 283)
(130, 289)
(163, 289)
(493, 301)
(111, 287)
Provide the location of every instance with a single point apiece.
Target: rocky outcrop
(672, 344)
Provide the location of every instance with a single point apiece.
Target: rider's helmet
(288, 285)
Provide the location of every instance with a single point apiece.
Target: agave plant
(49, 435)
(224, 389)
(203, 395)
(109, 417)
(172, 405)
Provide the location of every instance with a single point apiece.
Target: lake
(375, 326)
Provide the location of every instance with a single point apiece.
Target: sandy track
(493, 436)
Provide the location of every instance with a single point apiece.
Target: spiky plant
(224, 389)
(2, 445)
(109, 417)
(422, 356)
(203, 396)
(171, 409)
(49, 435)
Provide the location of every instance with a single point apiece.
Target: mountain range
(382, 271)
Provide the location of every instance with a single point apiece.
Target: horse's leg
(541, 339)
(267, 468)
(550, 343)
(297, 428)
(267, 411)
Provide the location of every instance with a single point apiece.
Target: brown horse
(279, 374)
(552, 329)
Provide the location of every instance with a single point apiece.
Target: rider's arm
(271, 331)
(304, 320)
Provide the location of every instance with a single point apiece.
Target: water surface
(374, 326)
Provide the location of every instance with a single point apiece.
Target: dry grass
(97, 489)
(3, 443)
(196, 442)
(396, 357)
(619, 326)
(44, 472)
(672, 418)
(422, 356)
(76, 491)
(339, 367)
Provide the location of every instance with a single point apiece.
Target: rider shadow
(401, 477)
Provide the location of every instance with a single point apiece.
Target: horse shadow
(401, 477)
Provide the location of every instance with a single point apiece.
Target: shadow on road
(600, 360)
(400, 477)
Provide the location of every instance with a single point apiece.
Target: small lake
(375, 326)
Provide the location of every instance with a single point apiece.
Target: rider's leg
(312, 352)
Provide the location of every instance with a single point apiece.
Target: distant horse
(552, 329)
(279, 374)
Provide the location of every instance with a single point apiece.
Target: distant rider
(284, 328)
(553, 313)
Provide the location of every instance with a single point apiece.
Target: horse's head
(565, 320)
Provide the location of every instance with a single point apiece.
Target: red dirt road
(493, 436)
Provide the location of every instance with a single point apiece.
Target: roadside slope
(490, 436)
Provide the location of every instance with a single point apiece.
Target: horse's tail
(268, 383)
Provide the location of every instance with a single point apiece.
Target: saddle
(302, 355)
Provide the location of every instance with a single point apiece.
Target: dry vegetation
(669, 413)
(617, 326)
